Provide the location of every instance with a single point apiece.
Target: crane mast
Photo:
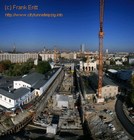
(101, 35)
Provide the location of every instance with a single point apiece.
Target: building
(89, 66)
(16, 98)
(28, 81)
(18, 57)
(70, 55)
(118, 62)
(131, 59)
(82, 48)
(109, 89)
(47, 56)
(62, 101)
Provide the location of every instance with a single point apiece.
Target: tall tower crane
(101, 35)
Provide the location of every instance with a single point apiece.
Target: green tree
(2, 68)
(7, 64)
(112, 62)
(43, 67)
(4, 65)
(132, 81)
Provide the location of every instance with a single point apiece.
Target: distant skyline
(79, 25)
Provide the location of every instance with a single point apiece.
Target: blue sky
(79, 24)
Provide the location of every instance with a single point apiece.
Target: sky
(79, 24)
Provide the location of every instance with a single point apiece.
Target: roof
(18, 93)
(94, 81)
(125, 74)
(112, 70)
(39, 84)
(32, 78)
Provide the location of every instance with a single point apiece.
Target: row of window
(9, 100)
(5, 99)
(22, 85)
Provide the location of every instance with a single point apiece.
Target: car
(130, 108)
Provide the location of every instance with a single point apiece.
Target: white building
(18, 57)
(62, 101)
(14, 99)
(47, 56)
(89, 65)
(118, 62)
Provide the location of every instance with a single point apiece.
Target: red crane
(101, 35)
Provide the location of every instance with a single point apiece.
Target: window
(9, 101)
(5, 98)
(0, 96)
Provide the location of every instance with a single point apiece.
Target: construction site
(75, 105)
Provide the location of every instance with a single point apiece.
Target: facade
(70, 55)
(118, 62)
(47, 56)
(18, 57)
(88, 66)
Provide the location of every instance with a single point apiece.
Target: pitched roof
(39, 84)
(18, 93)
(32, 78)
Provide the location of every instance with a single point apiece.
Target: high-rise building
(82, 48)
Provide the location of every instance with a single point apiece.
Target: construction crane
(101, 35)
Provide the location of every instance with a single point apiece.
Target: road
(122, 117)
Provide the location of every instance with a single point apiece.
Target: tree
(43, 67)
(132, 93)
(2, 67)
(7, 64)
(112, 62)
